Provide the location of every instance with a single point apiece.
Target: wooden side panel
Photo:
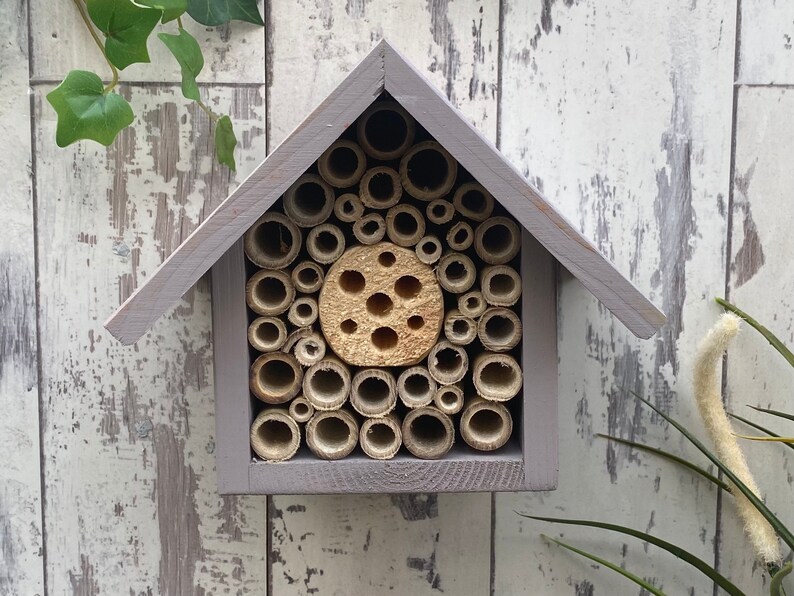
(766, 42)
(21, 552)
(761, 282)
(409, 544)
(620, 113)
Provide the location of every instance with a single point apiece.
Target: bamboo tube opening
(310, 350)
(485, 425)
(273, 241)
(309, 201)
(275, 377)
(274, 435)
(404, 225)
(300, 410)
(499, 329)
(294, 337)
(472, 304)
(370, 229)
(307, 277)
(456, 272)
(342, 164)
(303, 312)
(449, 399)
(269, 292)
(348, 208)
(385, 130)
(373, 392)
(267, 334)
(381, 438)
(325, 243)
(473, 201)
(428, 171)
(447, 363)
(459, 329)
(380, 188)
(497, 240)
(428, 250)
(440, 211)
(326, 384)
(332, 435)
(460, 236)
(428, 433)
(496, 377)
(501, 285)
(416, 387)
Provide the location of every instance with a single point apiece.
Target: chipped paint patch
(415, 507)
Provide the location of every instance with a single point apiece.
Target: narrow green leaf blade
(776, 585)
(679, 552)
(217, 12)
(767, 439)
(777, 413)
(86, 112)
(126, 26)
(768, 335)
(187, 52)
(172, 9)
(757, 427)
(225, 142)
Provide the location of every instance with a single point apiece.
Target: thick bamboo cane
(459, 329)
(325, 243)
(373, 392)
(449, 399)
(496, 377)
(380, 188)
(428, 433)
(332, 435)
(275, 436)
(309, 201)
(300, 410)
(308, 276)
(485, 425)
(269, 292)
(428, 171)
(385, 130)
(267, 334)
(440, 211)
(456, 272)
(473, 201)
(497, 240)
(348, 207)
(273, 242)
(447, 363)
(303, 312)
(370, 229)
(416, 387)
(472, 304)
(501, 285)
(405, 225)
(499, 329)
(428, 249)
(327, 384)
(342, 164)
(310, 350)
(275, 377)
(460, 236)
(381, 438)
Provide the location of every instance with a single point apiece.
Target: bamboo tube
(332, 435)
(485, 425)
(447, 363)
(385, 130)
(460, 236)
(325, 243)
(310, 350)
(380, 188)
(449, 399)
(416, 387)
(267, 334)
(499, 329)
(497, 240)
(327, 384)
(294, 337)
(428, 250)
(370, 229)
(303, 312)
(456, 272)
(307, 277)
(348, 207)
(496, 377)
(472, 304)
(269, 292)
(459, 329)
(501, 285)
(373, 392)
(342, 164)
(381, 438)
(440, 211)
(275, 377)
(275, 436)
(428, 433)
(428, 171)
(273, 242)
(405, 225)
(473, 201)
(309, 201)
(300, 410)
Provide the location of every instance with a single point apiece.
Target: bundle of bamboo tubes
(384, 298)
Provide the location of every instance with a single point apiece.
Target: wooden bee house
(384, 303)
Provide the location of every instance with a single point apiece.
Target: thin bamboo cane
(428, 433)
(267, 334)
(300, 410)
(348, 208)
(449, 399)
(370, 229)
(273, 242)
(428, 171)
(310, 350)
(459, 329)
(342, 164)
(496, 377)
(497, 240)
(373, 392)
(447, 363)
(501, 285)
(428, 249)
(325, 243)
(456, 272)
(472, 304)
(440, 211)
(308, 277)
(405, 225)
(416, 387)
(381, 438)
(327, 384)
(485, 425)
(269, 292)
(499, 329)
(380, 188)
(460, 236)
(275, 377)
(303, 312)
(275, 436)
(332, 435)
(309, 201)
(473, 201)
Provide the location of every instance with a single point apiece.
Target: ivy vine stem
(83, 15)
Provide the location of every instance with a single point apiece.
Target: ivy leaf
(187, 52)
(217, 12)
(85, 111)
(171, 8)
(126, 27)
(225, 142)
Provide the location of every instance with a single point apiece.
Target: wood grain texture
(128, 439)
(625, 128)
(766, 48)
(21, 552)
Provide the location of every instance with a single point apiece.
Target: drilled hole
(348, 326)
(407, 287)
(386, 130)
(486, 424)
(352, 281)
(275, 433)
(427, 169)
(343, 162)
(276, 376)
(379, 304)
(384, 338)
(387, 259)
(416, 322)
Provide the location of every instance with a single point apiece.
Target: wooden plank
(628, 134)
(766, 38)
(128, 441)
(761, 281)
(409, 544)
(21, 569)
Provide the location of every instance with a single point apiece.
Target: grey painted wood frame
(528, 462)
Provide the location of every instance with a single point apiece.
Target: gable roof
(384, 68)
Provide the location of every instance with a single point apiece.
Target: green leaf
(126, 26)
(757, 427)
(217, 12)
(776, 585)
(85, 111)
(773, 412)
(225, 141)
(769, 439)
(673, 458)
(187, 52)
(768, 335)
(627, 574)
(679, 552)
(172, 9)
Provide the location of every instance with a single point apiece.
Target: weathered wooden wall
(663, 129)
